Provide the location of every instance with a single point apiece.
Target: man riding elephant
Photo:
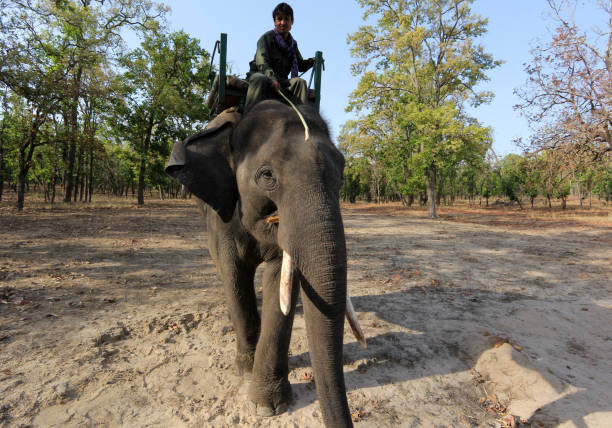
(278, 56)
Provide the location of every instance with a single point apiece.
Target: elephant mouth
(270, 212)
(273, 219)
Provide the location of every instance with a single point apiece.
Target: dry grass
(461, 211)
(36, 203)
(501, 214)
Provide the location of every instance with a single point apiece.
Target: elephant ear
(202, 164)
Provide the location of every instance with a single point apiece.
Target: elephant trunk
(317, 245)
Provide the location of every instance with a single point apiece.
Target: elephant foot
(270, 399)
(244, 364)
(267, 412)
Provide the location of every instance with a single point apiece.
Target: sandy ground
(114, 316)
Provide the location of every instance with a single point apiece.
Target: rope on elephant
(306, 132)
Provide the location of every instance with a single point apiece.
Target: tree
(164, 88)
(554, 175)
(488, 182)
(6, 138)
(91, 34)
(533, 178)
(29, 73)
(354, 178)
(418, 67)
(362, 141)
(512, 173)
(568, 93)
(602, 181)
(47, 50)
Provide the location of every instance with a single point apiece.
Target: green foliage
(602, 181)
(163, 89)
(355, 183)
(512, 173)
(56, 62)
(76, 110)
(119, 168)
(533, 177)
(418, 66)
(488, 182)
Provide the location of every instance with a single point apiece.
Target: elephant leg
(237, 278)
(270, 389)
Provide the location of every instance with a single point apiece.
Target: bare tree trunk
(73, 124)
(143, 160)
(26, 151)
(53, 190)
(82, 194)
(85, 191)
(25, 160)
(1, 171)
(2, 158)
(82, 174)
(70, 171)
(21, 178)
(91, 168)
(431, 190)
(77, 176)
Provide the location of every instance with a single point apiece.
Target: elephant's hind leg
(270, 389)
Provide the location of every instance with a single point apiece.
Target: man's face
(283, 24)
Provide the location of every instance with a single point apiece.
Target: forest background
(82, 113)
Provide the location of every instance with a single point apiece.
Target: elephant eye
(265, 178)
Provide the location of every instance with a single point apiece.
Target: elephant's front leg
(242, 304)
(270, 389)
(237, 275)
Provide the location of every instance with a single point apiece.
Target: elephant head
(260, 176)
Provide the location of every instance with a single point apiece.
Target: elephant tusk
(286, 280)
(351, 316)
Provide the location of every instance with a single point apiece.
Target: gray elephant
(274, 198)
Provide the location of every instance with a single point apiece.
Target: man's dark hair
(283, 8)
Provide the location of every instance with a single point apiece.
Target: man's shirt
(273, 62)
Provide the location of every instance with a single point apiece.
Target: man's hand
(275, 85)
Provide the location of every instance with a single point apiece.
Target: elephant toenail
(265, 411)
(281, 408)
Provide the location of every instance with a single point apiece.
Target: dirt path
(114, 316)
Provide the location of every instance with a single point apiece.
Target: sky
(324, 25)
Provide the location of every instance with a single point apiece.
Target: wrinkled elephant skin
(264, 190)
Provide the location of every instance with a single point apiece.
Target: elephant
(270, 194)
